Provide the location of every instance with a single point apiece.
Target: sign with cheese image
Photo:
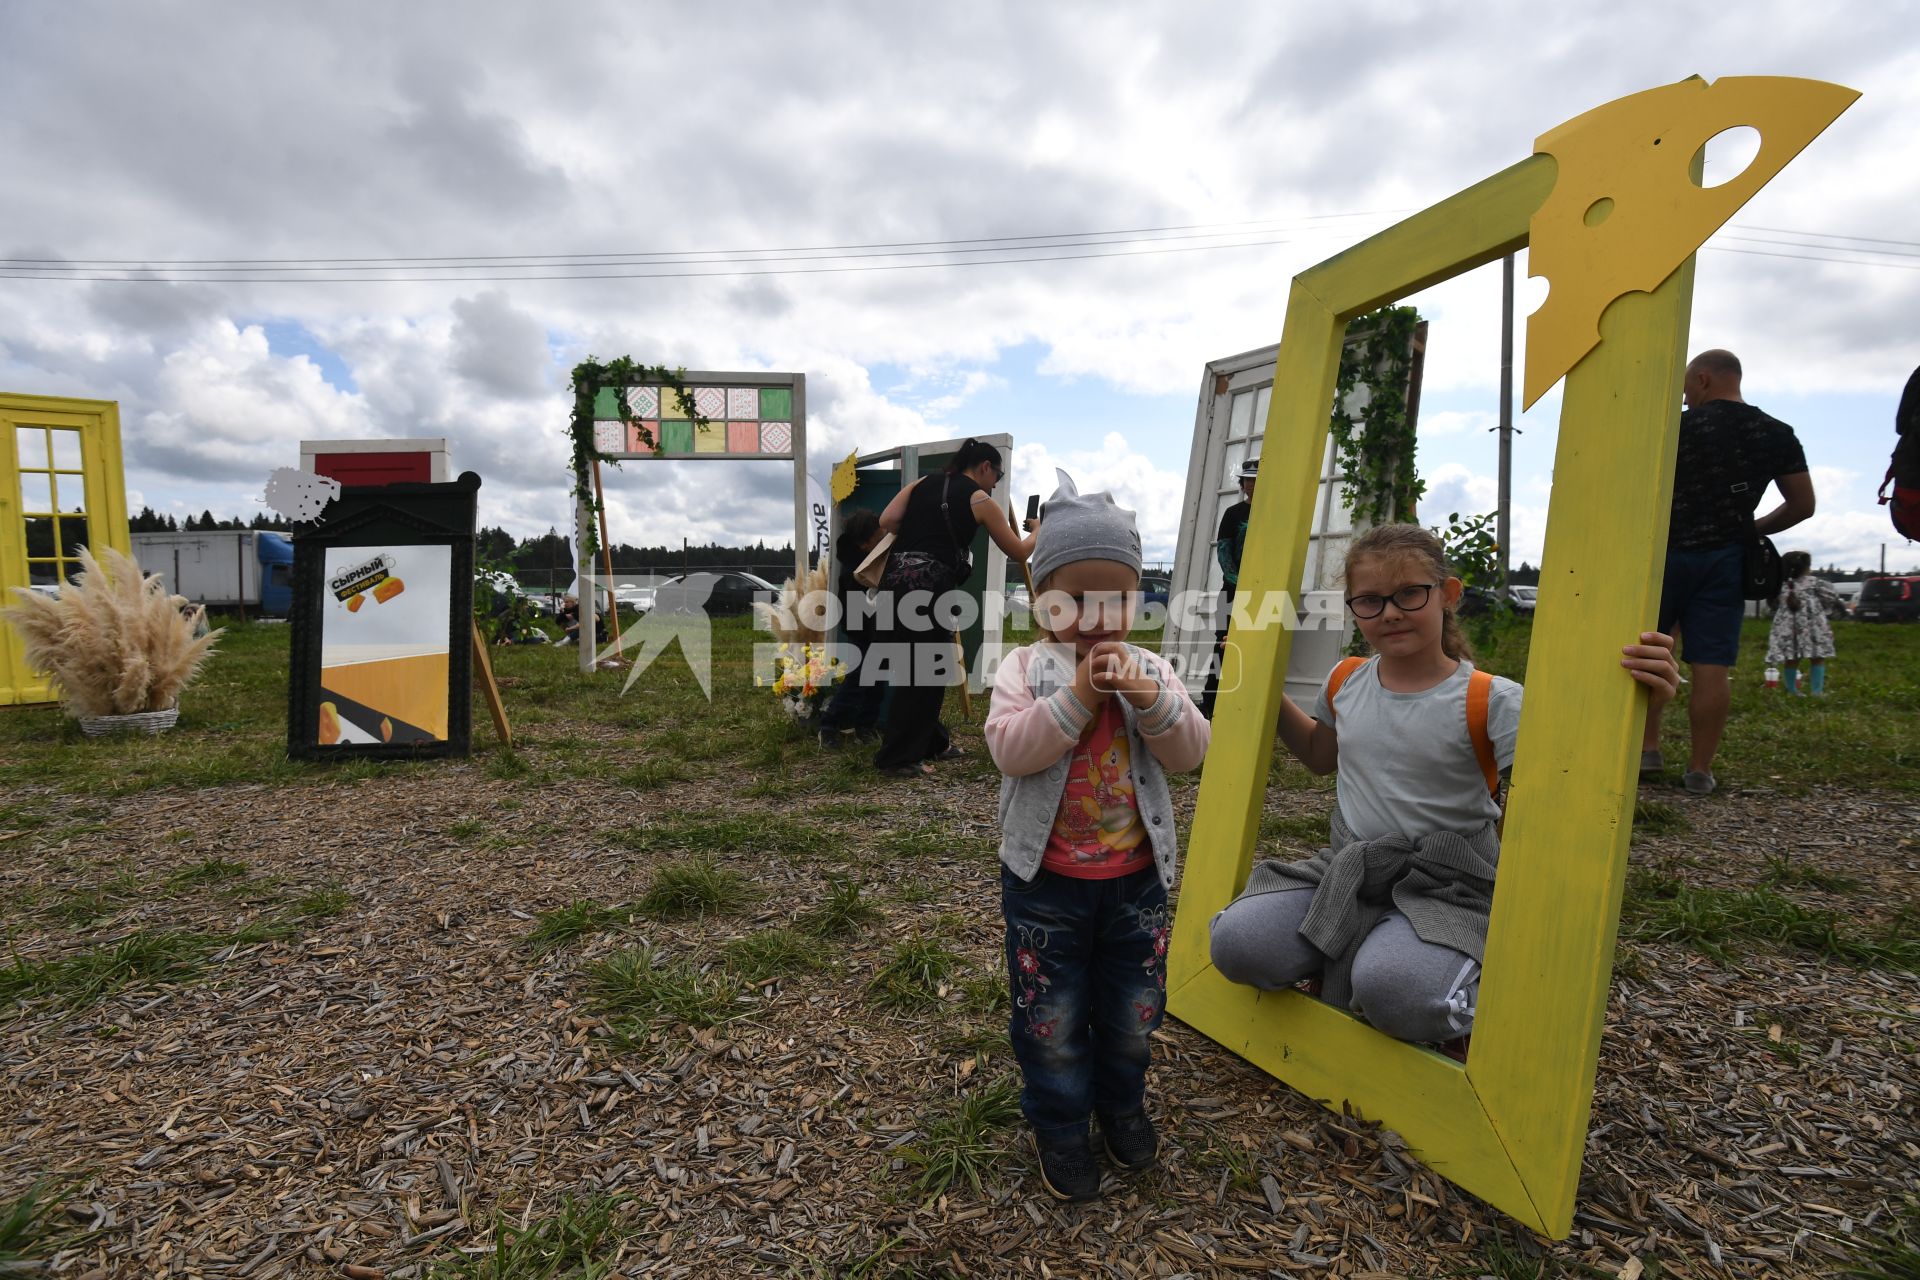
(384, 645)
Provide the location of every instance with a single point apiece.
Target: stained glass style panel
(676, 436)
(743, 402)
(675, 404)
(776, 404)
(645, 402)
(709, 437)
(743, 437)
(639, 443)
(776, 437)
(711, 402)
(606, 404)
(609, 437)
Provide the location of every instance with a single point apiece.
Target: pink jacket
(1036, 722)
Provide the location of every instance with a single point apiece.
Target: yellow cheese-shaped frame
(1510, 1125)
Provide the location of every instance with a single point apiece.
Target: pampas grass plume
(113, 642)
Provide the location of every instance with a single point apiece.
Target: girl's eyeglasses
(1408, 599)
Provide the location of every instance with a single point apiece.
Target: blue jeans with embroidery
(1088, 964)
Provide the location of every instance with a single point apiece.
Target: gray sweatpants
(1409, 989)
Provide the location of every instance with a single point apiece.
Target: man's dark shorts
(1702, 595)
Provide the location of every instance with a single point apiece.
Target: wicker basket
(147, 722)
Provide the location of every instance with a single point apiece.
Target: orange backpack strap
(1346, 667)
(1479, 696)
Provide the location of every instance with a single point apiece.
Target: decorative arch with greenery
(590, 377)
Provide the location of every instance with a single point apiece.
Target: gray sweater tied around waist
(1442, 883)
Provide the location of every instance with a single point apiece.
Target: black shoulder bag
(1760, 571)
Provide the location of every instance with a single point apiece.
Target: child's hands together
(1651, 663)
(1111, 668)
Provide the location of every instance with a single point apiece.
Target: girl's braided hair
(1411, 542)
(1794, 566)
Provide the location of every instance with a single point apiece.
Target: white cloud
(1002, 120)
(1153, 494)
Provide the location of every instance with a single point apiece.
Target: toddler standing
(1084, 728)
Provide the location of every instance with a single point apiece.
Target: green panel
(776, 404)
(676, 436)
(606, 405)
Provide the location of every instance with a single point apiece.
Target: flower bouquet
(804, 675)
(804, 669)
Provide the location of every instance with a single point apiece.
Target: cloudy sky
(1269, 136)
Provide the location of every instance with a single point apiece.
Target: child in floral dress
(1800, 629)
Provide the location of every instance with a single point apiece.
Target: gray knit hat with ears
(1075, 527)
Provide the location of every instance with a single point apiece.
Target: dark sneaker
(1068, 1169)
(1130, 1141)
(1652, 764)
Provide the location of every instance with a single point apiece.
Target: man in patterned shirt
(1729, 452)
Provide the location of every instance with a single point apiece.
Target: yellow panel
(1537, 1032)
(709, 437)
(845, 477)
(675, 404)
(98, 422)
(413, 689)
(1511, 1126)
(1635, 152)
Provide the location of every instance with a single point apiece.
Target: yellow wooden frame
(98, 422)
(1510, 1125)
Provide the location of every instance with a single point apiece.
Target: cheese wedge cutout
(1625, 210)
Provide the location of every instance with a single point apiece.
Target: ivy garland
(1376, 454)
(589, 377)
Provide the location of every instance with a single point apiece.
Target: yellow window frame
(1510, 1124)
(101, 479)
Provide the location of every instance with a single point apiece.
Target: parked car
(1524, 598)
(1155, 588)
(1890, 599)
(641, 598)
(717, 594)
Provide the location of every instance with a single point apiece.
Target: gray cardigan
(1029, 803)
(1442, 883)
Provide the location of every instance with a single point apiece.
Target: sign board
(382, 624)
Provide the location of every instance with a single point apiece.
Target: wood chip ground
(365, 1097)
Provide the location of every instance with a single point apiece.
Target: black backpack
(1760, 574)
(1903, 472)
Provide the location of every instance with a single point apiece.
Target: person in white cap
(1228, 547)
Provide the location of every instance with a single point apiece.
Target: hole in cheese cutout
(1638, 151)
(1727, 155)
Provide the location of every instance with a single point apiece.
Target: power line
(769, 263)
(645, 275)
(1220, 228)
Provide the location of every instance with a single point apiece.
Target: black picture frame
(400, 524)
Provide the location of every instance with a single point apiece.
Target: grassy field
(670, 988)
(233, 722)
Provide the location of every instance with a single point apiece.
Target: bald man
(1729, 453)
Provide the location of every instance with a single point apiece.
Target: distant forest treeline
(541, 560)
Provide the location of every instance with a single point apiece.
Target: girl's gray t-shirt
(1406, 761)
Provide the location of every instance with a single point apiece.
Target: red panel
(375, 468)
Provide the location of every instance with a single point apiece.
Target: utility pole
(1501, 522)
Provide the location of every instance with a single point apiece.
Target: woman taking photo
(933, 522)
